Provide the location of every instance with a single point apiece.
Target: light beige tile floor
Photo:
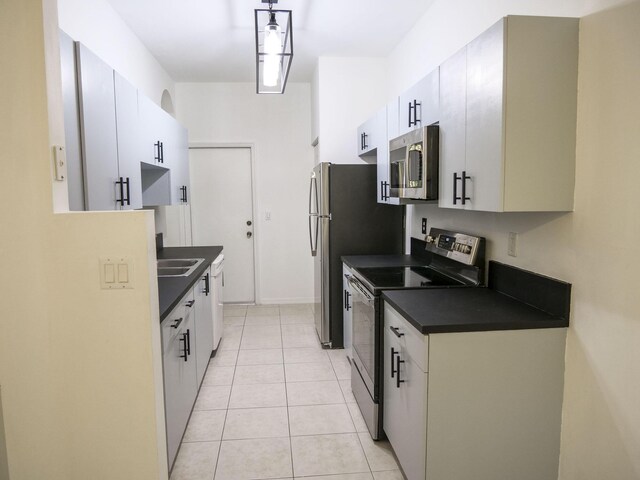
(275, 405)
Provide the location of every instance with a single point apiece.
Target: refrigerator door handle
(314, 247)
(312, 183)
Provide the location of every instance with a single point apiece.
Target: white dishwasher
(217, 274)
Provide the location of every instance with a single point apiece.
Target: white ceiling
(213, 40)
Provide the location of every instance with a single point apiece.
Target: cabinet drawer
(172, 324)
(415, 343)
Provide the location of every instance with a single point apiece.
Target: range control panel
(456, 246)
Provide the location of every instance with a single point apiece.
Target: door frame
(254, 204)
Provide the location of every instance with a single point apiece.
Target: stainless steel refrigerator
(345, 219)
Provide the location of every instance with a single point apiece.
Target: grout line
(226, 412)
(286, 395)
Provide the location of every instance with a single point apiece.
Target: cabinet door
(420, 105)
(178, 162)
(128, 132)
(484, 132)
(180, 387)
(75, 180)
(204, 323)
(453, 86)
(98, 128)
(151, 131)
(346, 308)
(405, 407)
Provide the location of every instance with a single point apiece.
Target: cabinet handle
(183, 197)
(190, 303)
(184, 347)
(396, 331)
(393, 355)
(386, 190)
(464, 179)
(188, 334)
(128, 191)
(177, 322)
(455, 188)
(414, 120)
(120, 200)
(206, 285)
(398, 380)
(161, 152)
(347, 305)
(364, 141)
(156, 154)
(382, 190)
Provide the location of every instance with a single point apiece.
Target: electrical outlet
(512, 247)
(424, 226)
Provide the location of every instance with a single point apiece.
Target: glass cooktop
(385, 278)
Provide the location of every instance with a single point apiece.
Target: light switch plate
(116, 272)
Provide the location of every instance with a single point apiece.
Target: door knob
(249, 234)
(249, 223)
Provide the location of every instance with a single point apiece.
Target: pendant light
(274, 48)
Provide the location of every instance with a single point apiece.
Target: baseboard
(285, 301)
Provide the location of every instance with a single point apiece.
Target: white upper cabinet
(372, 134)
(98, 131)
(420, 105)
(453, 92)
(512, 146)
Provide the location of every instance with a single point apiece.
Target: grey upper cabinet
(73, 143)
(124, 151)
(98, 128)
(178, 162)
(420, 105)
(128, 134)
(164, 151)
(517, 152)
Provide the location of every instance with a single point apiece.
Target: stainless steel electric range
(453, 260)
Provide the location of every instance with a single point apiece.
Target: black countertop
(365, 261)
(172, 289)
(467, 310)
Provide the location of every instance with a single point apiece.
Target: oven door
(364, 341)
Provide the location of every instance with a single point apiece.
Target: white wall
(79, 372)
(347, 91)
(279, 127)
(96, 24)
(593, 247)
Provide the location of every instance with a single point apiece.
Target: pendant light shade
(274, 48)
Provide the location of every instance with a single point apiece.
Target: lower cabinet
(187, 343)
(346, 307)
(179, 364)
(204, 323)
(405, 394)
(473, 405)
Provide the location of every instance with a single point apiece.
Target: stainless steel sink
(178, 262)
(182, 267)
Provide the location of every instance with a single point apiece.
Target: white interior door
(222, 214)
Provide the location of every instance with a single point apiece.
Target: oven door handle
(360, 291)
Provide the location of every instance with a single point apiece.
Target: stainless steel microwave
(413, 164)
